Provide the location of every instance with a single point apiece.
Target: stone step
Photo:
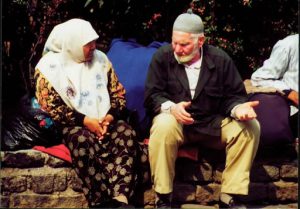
(37, 180)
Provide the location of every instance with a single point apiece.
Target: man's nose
(178, 49)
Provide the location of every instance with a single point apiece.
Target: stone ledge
(34, 179)
(30, 159)
(66, 199)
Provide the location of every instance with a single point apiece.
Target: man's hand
(245, 111)
(294, 97)
(181, 115)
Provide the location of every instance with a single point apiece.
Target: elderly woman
(77, 86)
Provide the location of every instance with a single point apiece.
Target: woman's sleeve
(117, 94)
(51, 102)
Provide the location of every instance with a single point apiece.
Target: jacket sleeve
(51, 102)
(117, 94)
(156, 82)
(233, 87)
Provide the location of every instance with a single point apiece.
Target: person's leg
(120, 161)
(165, 139)
(84, 147)
(242, 140)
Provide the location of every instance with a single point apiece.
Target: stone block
(43, 184)
(289, 172)
(55, 162)
(60, 181)
(264, 173)
(149, 197)
(196, 206)
(23, 159)
(217, 173)
(183, 192)
(31, 200)
(207, 193)
(281, 206)
(283, 191)
(10, 172)
(4, 201)
(75, 181)
(13, 184)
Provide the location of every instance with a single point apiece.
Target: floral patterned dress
(107, 168)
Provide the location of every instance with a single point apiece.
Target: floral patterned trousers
(110, 167)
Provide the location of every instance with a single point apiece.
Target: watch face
(287, 92)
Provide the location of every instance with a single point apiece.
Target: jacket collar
(206, 71)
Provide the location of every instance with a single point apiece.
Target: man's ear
(201, 41)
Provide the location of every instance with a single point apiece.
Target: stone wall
(32, 179)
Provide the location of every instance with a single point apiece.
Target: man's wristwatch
(166, 107)
(287, 92)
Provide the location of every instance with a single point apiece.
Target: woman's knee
(78, 137)
(123, 136)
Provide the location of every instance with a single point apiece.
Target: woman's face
(88, 51)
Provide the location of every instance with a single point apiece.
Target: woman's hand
(104, 123)
(93, 125)
(99, 127)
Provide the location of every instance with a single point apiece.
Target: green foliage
(245, 29)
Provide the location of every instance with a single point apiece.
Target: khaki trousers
(240, 139)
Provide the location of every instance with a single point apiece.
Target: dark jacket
(219, 88)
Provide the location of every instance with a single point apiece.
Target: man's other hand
(246, 111)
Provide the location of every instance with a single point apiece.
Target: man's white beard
(186, 58)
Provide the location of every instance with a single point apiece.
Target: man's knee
(165, 129)
(251, 130)
(241, 130)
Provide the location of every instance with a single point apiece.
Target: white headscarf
(82, 85)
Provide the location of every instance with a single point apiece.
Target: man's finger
(186, 104)
(253, 103)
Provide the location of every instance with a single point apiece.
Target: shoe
(230, 201)
(163, 200)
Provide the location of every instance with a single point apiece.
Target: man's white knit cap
(189, 23)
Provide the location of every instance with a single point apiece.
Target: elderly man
(195, 94)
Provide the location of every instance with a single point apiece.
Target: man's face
(186, 48)
(88, 50)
